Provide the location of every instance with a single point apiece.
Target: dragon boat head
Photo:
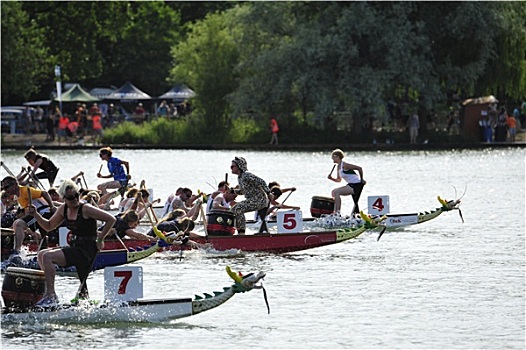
(371, 222)
(247, 282)
(449, 205)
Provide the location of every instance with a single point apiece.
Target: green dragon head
(245, 283)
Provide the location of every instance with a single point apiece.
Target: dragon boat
(391, 221)
(140, 310)
(400, 220)
(220, 237)
(105, 258)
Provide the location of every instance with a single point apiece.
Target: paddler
(25, 196)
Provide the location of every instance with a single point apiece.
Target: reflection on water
(441, 284)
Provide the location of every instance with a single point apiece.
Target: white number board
(378, 205)
(290, 221)
(123, 283)
(63, 235)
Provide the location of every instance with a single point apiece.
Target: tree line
(305, 62)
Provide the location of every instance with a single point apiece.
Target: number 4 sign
(123, 283)
(378, 205)
(290, 221)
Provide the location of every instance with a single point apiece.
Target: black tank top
(47, 165)
(80, 227)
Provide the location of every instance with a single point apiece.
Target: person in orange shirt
(97, 128)
(25, 195)
(63, 122)
(511, 122)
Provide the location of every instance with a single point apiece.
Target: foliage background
(323, 68)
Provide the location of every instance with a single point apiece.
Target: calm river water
(441, 284)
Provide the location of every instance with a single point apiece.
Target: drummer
(352, 175)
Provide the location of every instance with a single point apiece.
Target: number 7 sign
(123, 283)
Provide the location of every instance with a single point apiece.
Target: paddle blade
(381, 233)
(460, 213)
(158, 233)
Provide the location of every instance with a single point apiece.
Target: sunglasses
(72, 197)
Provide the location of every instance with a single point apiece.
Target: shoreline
(38, 141)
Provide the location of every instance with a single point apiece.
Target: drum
(220, 223)
(321, 205)
(23, 287)
(8, 242)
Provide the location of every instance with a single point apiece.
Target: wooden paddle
(203, 217)
(100, 169)
(7, 169)
(84, 280)
(84, 179)
(35, 179)
(334, 166)
(143, 186)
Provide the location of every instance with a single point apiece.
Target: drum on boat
(220, 223)
(321, 205)
(22, 287)
(8, 239)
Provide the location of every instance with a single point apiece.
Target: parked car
(11, 119)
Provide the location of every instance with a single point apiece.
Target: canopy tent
(179, 92)
(101, 93)
(37, 103)
(128, 92)
(76, 94)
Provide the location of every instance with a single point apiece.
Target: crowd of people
(499, 125)
(33, 212)
(84, 125)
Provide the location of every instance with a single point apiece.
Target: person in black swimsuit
(81, 219)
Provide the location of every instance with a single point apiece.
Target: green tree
(206, 61)
(142, 53)
(24, 55)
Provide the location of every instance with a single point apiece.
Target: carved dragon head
(449, 205)
(245, 283)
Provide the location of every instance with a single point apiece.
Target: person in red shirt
(96, 128)
(274, 129)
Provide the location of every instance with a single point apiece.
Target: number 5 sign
(290, 221)
(123, 283)
(378, 205)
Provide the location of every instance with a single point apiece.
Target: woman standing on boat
(256, 192)
(348, 173)
(81, 219)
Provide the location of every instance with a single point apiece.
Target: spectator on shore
(414, 125)
(274, 129)
(511, 123)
